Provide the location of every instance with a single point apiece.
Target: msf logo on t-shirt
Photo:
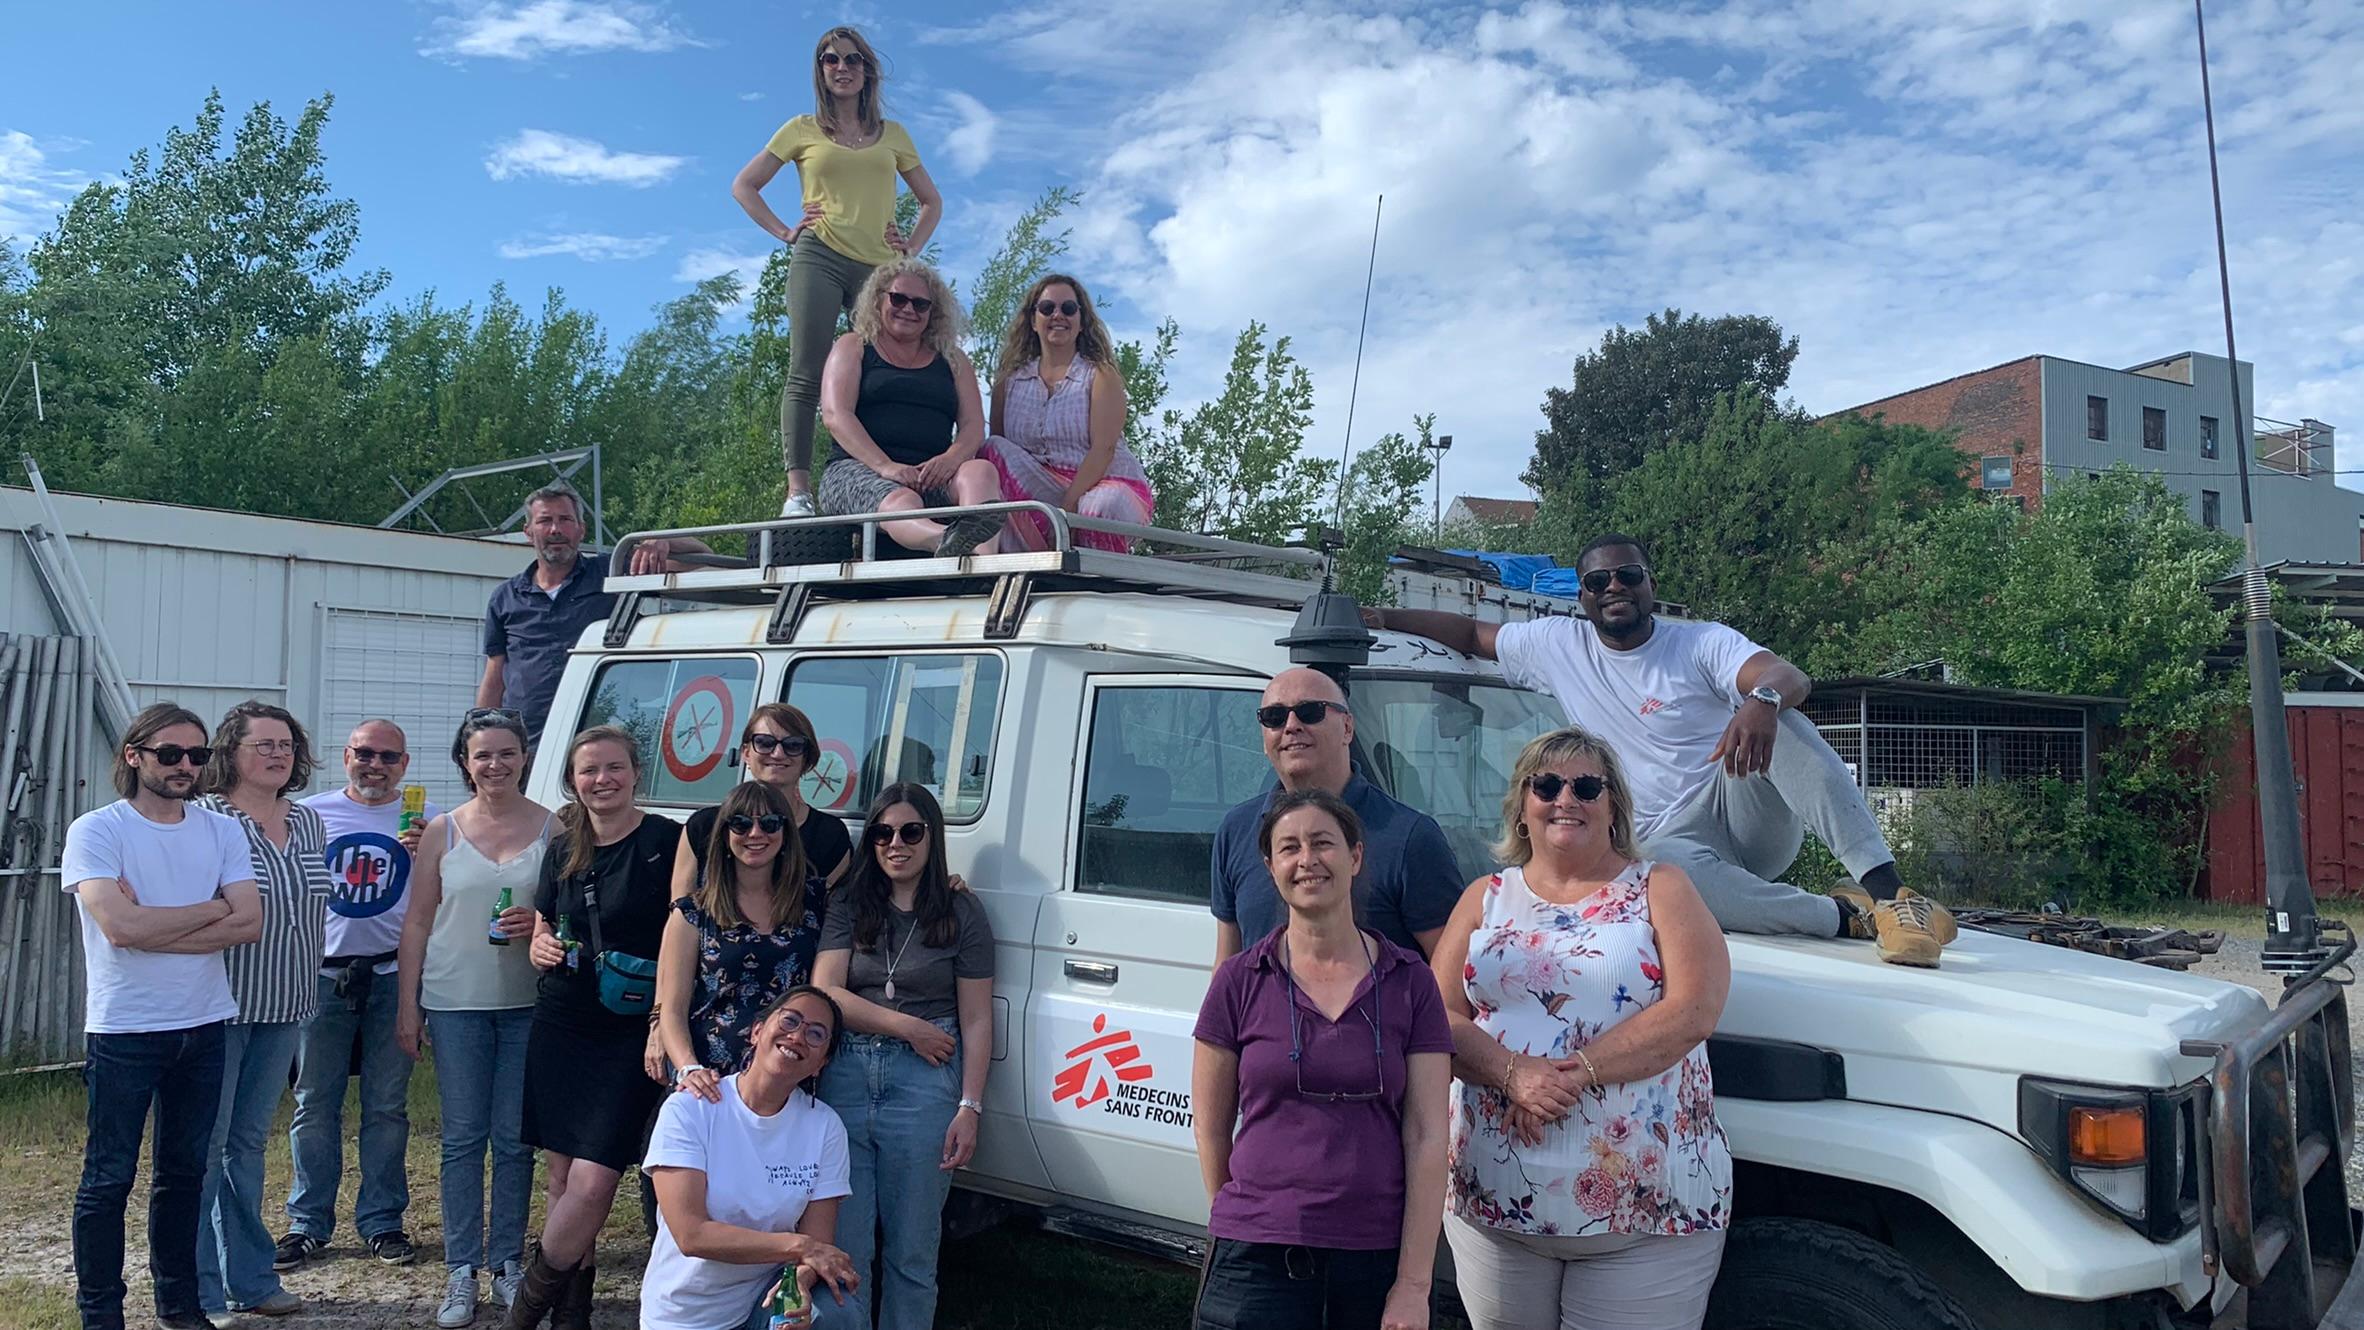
(370, 871)
(1651, 707)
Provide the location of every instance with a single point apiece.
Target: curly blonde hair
(1556, 749)
(1021, 343)
(945, 323)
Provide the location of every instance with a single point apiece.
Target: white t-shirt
(760, 1174)
(370, 872)
(176, 863)
(1662, 706)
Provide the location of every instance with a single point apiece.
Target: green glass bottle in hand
(787, 1301)
(566, 939)
(494, 934)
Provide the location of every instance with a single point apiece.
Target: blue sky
(1914, 190)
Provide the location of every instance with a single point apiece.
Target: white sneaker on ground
(459, 1299)
(505, 1281)
(799, 505)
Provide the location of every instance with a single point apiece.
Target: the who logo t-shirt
(369, 872)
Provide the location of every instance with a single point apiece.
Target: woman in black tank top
(902, 405)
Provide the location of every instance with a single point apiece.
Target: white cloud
(578, 161)
(751, 96)
(32, 191)
(1914, 193)
(970, 144)
(699, 264)
(552, 27)
(589, 246)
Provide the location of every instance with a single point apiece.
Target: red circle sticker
(697, 728)
(829, 783)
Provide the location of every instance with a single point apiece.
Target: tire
(1797, 1274)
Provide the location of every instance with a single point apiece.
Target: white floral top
(1642, 1157)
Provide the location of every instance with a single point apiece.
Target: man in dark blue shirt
(1409, 883)
(535, 618)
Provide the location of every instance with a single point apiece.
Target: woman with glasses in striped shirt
(1318, 1091)
(260, 754)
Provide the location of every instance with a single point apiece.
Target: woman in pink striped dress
(1058, 418)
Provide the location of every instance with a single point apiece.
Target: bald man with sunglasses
(1409, 883)
(1727, 775)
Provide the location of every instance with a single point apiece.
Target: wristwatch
(1768, 695)
(680, 1072)
(974, 1106)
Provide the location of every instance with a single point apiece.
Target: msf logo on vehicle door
(1109, 1070)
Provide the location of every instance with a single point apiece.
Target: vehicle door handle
(1092, 972)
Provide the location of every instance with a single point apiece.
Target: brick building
(2029, 423)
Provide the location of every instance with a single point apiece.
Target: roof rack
(784, 574)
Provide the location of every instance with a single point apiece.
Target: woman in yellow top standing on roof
(847, 156)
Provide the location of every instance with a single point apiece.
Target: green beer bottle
(493, 933)
(566, 939)
(788, 1301)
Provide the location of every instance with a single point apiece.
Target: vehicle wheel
(1796, 1274)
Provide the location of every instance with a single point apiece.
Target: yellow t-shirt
(854, 186)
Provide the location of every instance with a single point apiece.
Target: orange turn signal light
(2107, 1137)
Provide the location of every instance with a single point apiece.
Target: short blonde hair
(945, 324)
(1559, 748)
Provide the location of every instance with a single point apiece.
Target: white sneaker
(505, 1281)
(459, 1299)
(799, 505)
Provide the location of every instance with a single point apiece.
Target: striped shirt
(272, 977)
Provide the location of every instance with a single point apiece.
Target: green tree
(1645, 388)
(1235, 465)
(1380, 508)
(1028, 250)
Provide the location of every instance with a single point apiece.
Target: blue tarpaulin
(1556, 582)
(1518, 571)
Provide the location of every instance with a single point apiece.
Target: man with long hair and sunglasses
(1694, 710)
(1408, 883)
(164, 888)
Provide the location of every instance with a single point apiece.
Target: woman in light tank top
(1590, 1183)
(473, 998)
(1058, 418)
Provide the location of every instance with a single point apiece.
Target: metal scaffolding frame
(564, 464)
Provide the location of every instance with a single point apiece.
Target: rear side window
(929, 719)
(1165, 763)
(686, 713)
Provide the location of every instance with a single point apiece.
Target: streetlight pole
(1440, 445)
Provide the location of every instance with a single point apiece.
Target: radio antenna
(1346, 453)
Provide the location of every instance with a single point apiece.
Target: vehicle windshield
(1445, 745)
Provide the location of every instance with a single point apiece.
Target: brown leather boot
(573, 1311)
(537, 1293)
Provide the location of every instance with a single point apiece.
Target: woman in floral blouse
(741, 939)
(1590, 1183)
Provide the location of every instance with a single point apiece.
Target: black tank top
(910, 413)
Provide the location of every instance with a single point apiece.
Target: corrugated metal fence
(2327, 745)
(47, 691)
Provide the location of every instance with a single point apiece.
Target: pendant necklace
(898, 960)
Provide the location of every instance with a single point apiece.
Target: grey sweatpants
(1513, 1281)
(1737, 836)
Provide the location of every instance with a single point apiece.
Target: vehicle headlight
(2133, 1151)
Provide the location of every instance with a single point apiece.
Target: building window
(1995, 473)
(2208, 436)
(2211, 510)
(2154, 429)
(2097, 418)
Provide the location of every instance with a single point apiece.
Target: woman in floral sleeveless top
(1590, 1183)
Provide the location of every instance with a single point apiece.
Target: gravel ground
(2237, 963)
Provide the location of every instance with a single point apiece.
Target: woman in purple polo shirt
(1320, 1082)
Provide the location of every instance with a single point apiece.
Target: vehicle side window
(1165, 764)
(686, 713)
(927, 719)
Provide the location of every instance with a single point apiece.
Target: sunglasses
(795, 1026)
(1307, 713)
(172, 755)
(1629, 574)
(741, 824)
(910, 833)
(851, 59)
(917, 304)
(1047, 308)
(768, 744)
(385, 757)
(1547, 785)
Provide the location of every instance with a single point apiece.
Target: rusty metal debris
(2167, 948)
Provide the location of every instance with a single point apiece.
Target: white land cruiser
(2027, 1138)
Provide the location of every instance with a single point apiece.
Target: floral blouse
(740, 971)
(1642, 1157)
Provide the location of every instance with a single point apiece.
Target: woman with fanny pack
(588, 1093)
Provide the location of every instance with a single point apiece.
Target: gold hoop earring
(1522, 830)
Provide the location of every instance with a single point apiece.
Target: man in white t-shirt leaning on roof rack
(1726, 775)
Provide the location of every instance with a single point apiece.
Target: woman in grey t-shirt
(911, 963)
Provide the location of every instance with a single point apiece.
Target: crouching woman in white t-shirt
(749, 1182)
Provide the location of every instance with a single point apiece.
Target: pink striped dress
(1048, 436)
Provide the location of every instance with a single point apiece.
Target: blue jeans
(480, 1078)
(896, 1109)
(178, 1073)
(318, 1137)
(234, 1246)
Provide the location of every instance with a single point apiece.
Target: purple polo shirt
(1308, 1172)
